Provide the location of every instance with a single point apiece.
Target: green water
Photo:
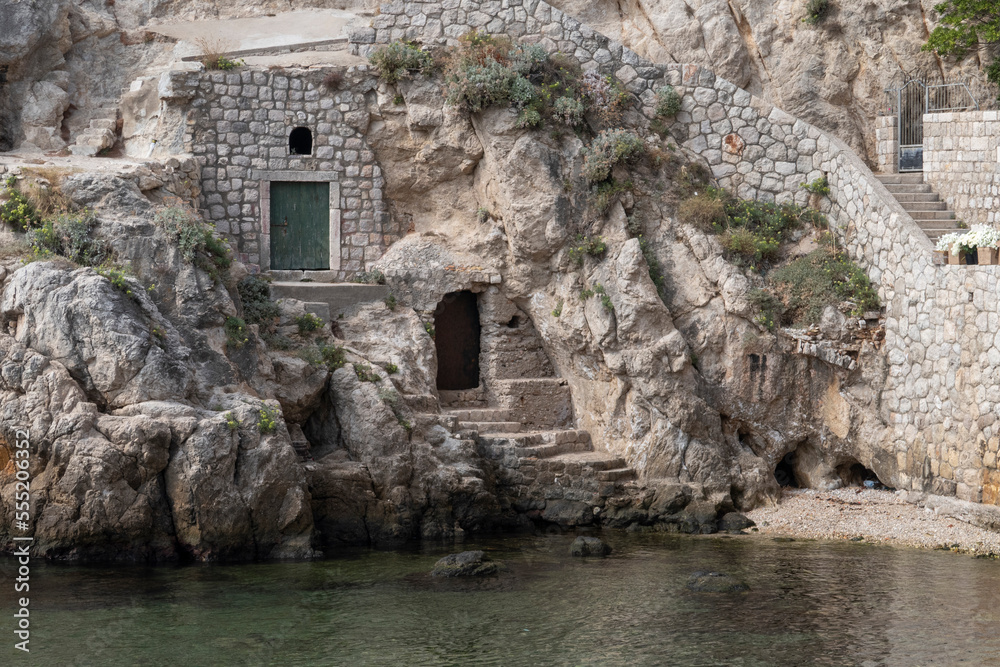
(811, 603)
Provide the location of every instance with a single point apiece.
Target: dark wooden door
(456, 337)
(300, 225)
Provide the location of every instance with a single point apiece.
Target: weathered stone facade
(940, 404)
(962, 162)
(239, 131)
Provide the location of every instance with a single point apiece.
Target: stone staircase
(921, 202)
(99, 135)
(540, 435)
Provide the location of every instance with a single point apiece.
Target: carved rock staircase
(533, 418)
(100, 135)
(921, 202)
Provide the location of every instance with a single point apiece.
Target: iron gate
(911, 101)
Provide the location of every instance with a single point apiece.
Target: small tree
(967, 25)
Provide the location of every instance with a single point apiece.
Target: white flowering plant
(949, 241)
(979, 236)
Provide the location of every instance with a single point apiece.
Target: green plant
(608, 149)
(493, 71)
(769, 308)
(586, 245)
(16, 211)
(267, 419)
(429, 328)
(568, 110)
(483, 215)
(821, 278)
(365, 373)
(586, 293)
(605, 299)
(400, 59)
(370, 278)
(668, 102)
(816, 11)
(654, 267)
(118, 277)
(391, 368)
(605, 96)
(557, 311)
(820, 186)
(258, 308)
(398, 100)
(308, 323)
(236, 332)
(605, 195)
(407, 426)
(231, 421)
(333, 356)
(966, 26)
(706, 211)
(390, 301)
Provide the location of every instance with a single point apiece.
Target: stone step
(482, 414)
(937, 224)
(337, 296)
(913, 177)
(917, 197)
(491, 427)
(532, 438)
(616, 474)
(102, 124)
(552, 450)
(542, 403)
(924, 206)
(931, 215)
(592, 459)
(911, 188)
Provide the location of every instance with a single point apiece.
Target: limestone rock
(734, 522)
(588, 546)
(716, 582)
(466, 564)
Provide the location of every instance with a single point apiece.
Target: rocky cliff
(832, 74)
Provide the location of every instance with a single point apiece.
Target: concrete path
(298, 28)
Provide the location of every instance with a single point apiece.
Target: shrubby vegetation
(195, 240)
(399, 60)
(968, 26)
(609, 149)
(816, 11)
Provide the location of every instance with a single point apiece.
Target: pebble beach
(876, 516)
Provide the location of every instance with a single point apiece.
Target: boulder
(716, 582)
(466, 564)
(588, 546)
(734, 522)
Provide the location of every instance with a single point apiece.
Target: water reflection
(810, 603)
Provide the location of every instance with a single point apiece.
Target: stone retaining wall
(942, 396)
(962, 162)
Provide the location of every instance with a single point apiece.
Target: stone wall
(887, 144)
(238, 130)
(962, 162)
(941, 399)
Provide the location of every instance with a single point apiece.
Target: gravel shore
(876, 516)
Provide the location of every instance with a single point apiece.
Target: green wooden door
(300, 225)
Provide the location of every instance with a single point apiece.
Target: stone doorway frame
(266, 177)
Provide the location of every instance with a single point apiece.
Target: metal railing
(910, 102)
(946, 97)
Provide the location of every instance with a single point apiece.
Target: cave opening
(300, 141)
(784, 472)
(456, 338)
(853, 473)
